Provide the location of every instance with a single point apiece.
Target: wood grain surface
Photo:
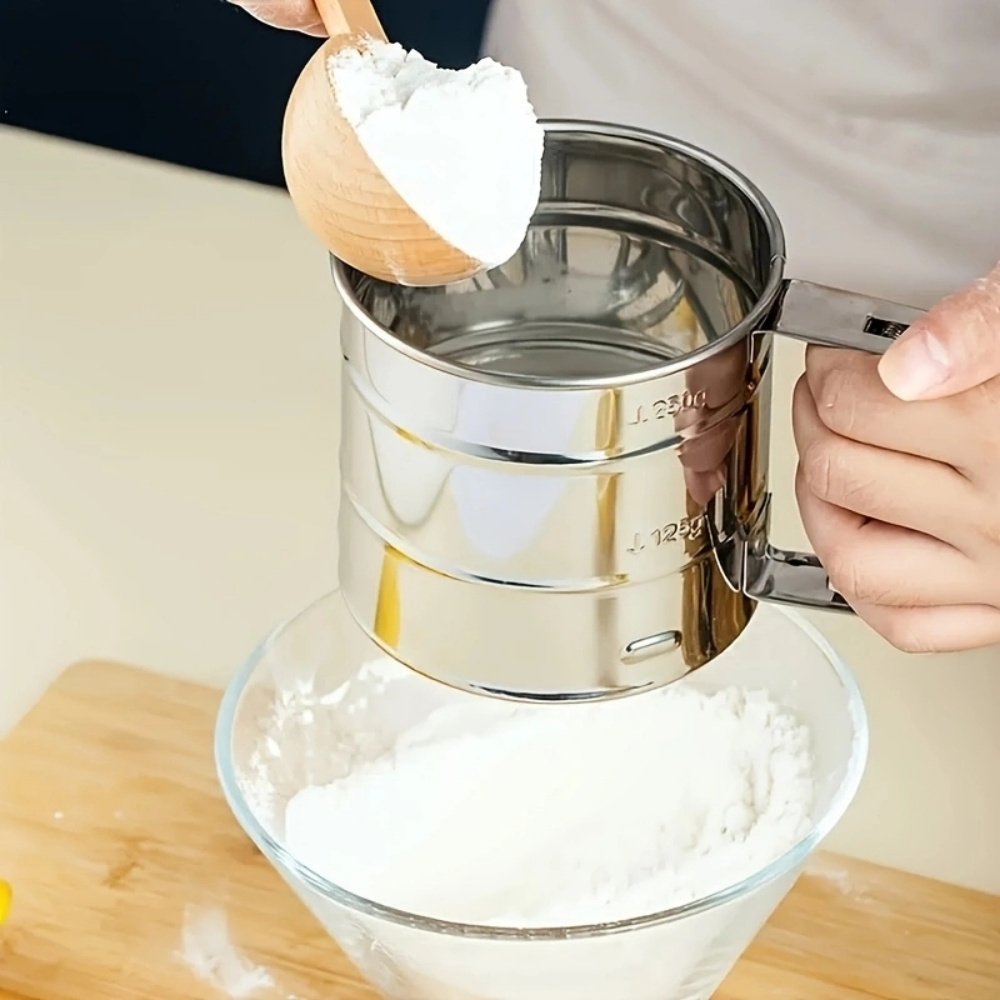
(132, 880)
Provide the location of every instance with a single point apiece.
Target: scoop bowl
(345, 200)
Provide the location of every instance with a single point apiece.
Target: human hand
(293, 15)
(900, 490)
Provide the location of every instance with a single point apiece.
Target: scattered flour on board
(210, 954)
(463, 148)
(564, 815)
(846, 883)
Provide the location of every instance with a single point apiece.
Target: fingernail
(915, 365)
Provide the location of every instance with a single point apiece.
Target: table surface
(132, 879)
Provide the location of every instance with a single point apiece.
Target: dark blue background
(195, 82)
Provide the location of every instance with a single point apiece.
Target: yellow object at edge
(6, 893)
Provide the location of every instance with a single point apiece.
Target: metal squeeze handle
(831, 318)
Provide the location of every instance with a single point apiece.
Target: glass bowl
(283, 725)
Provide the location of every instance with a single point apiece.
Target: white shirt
(873, 126)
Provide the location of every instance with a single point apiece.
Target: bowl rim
(274, 851)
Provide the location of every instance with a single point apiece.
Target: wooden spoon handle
(350, 17)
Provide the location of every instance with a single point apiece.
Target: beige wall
(168, 434)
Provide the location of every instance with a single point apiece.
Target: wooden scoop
(339, 193)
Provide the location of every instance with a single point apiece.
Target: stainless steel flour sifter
(554, 475)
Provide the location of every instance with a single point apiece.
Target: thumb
(954, 347)
(293, 15)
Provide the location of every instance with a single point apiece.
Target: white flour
(562, 815)
(462, 148)
(211, 955)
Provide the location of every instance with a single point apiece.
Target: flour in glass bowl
(463, 148)
(542, 816)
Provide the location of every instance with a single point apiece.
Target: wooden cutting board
(132, 880)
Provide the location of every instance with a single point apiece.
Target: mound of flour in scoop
(462, 148)
(562, 815)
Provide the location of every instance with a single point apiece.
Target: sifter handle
(828, 317)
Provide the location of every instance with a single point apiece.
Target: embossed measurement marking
(671, 531)
(662, 409)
